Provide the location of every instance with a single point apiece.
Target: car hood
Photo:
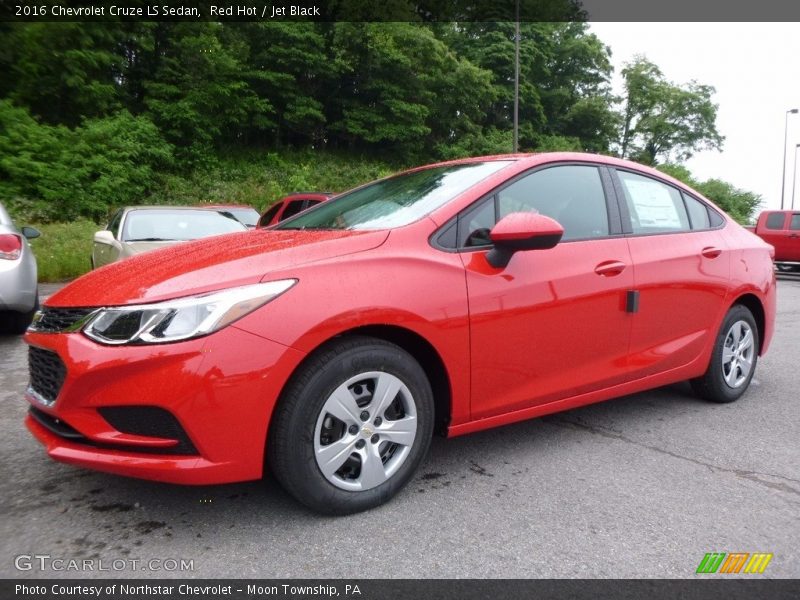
(210, 264)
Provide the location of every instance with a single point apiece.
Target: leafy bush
(53, 173)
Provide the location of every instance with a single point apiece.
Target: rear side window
(269, 215)
(698, 213)
(775, 221)
(795, 224)
(654, 207)
(294, 207)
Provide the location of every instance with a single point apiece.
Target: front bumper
(220, 389)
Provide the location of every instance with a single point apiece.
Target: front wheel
(352, 426)
(733, 359)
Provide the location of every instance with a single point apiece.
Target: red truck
(781, 228)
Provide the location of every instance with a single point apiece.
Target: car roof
(224, 206)
(532, 159)
(166, 207)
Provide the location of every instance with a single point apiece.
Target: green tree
(64, 72)
(289, 68)
(564, 81)
(739, 204)
(662, 120)
(198, 94)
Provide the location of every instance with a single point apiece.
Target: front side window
(113, 225)
(775, 221)
(654, 207)
(396, 201)
(571, 194)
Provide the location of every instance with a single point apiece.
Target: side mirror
(31, 232)
(522, 231)
(104, 237)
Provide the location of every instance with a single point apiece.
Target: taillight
(10, 246)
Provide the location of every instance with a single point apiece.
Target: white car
(137, 229)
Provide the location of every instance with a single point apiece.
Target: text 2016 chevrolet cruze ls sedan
(453, 297)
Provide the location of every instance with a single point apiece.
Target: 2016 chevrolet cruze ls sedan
(453, 297)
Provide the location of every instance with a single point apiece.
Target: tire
(16, 323)
(319, 422)
(736, 346)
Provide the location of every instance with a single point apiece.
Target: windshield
(248, 216)
(157, 225)
(396, 201)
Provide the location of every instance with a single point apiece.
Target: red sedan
(449, 298)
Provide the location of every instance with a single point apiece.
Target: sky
(754, 68)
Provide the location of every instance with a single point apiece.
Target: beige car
(137, 229)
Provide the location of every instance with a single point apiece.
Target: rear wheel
(352, 426)
(733, 360)
(17, 322)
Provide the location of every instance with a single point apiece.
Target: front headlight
(180, 319)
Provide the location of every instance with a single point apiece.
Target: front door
(552, 323)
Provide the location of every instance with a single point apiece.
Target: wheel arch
(412, 342)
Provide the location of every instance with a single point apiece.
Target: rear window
(775, 221)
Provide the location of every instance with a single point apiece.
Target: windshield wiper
(152, 239)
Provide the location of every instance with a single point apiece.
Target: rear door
(681, 266)
(793, 240)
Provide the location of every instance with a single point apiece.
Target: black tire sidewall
(714, 380)
(298, 470)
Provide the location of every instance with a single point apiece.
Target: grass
(64, 249)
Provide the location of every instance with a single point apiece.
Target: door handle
(610, 268)
(711, 252)
(794, 235)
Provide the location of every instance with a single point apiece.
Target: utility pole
(794, 176)
(791, 111)
(516, 82)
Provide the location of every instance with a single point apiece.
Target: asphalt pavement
(641, 486)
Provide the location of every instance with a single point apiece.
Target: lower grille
(149, 421)
(65, 431)
(55, 425)
(47, 374)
